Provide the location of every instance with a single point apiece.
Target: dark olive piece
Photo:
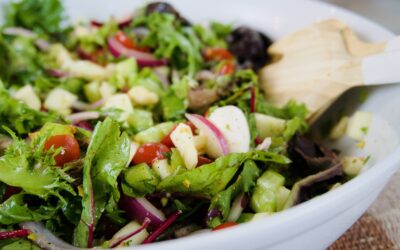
(162, 7)
(249, 47)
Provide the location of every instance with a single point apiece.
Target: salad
(143, 129)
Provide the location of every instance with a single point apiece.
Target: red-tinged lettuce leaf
(316, 165)
(107, 155)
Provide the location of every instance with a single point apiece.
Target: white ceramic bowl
(317, 223)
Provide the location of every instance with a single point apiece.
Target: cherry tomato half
(224, 225)
(202, 160)
(69, 148)
(150, 152)
(217, 54)
(226, 68)
(128, 42)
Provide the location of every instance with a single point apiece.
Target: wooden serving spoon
(317, 64)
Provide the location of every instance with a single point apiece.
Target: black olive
(162, 7)
(249, 47)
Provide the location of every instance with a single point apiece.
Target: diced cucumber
(339, 129)
(281, 198)
(352, 165)
(121, 102)
(60, 100)
(264, 198)
(245, 217)
(29, 97)
(358, 125)
(141, 119)
(141, 178)
(268, 126)
(92, 91)
(142, 96)
(154, 134)
(162, 168)
(106, 90)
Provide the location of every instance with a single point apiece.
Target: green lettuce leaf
(106, 157)
(243, 184)
(17, 116)
(172, 41)
(212, 178)
(32, 169)
(15, 210)
(174, 103)
(41, 16)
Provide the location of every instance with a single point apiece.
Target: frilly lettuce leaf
(32, 169)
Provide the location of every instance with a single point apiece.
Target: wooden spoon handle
(382, 68)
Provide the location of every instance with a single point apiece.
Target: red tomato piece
(124, 40)
(128, 42)
(69, 148)
(217, 54)
(150, 152)
(226, 68)
(225, 225)
(202, 160)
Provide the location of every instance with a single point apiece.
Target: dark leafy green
(243, 184)
(106, 157)
(15, 210)
(179, 44)
(41, 16)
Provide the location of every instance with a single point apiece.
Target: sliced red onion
(258, 140)
(42, 44)
(265, 144)
(217, 144)
(140, 208)
(84, 125)
(162, 73)
(83, 116)
(57, 73)
(18, 31)
(162, 227)
(44, 238)
(118, 241)
(20, 233)
(205, 75)
(143, 59)
(215, 212)
(237, 207)
(83, 54)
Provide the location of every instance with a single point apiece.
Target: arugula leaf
(106, 157)
(212, 178)
(243, 184)
(171, 40)
(15, 210)
(32, 169)
(41, 16)
(17, 116)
